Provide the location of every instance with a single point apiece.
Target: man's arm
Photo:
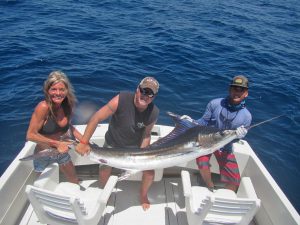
(147, 136)
(102, 114)
(206, 116)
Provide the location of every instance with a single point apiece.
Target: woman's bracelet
(84, 142)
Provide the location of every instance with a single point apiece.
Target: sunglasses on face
(239, 89)
(147, 92)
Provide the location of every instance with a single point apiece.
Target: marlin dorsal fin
(180, 127)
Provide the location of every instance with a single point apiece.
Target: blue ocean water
(192, 47)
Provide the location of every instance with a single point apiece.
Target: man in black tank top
(133, 116)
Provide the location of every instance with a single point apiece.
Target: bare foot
(145, 203)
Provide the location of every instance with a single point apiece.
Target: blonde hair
(69, 102)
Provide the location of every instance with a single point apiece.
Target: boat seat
(67, 203)
(220, 207)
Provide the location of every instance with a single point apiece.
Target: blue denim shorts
(41, 163)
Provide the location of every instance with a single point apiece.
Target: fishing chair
(220, 207)
(65, 203)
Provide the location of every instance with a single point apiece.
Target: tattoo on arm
(110, 107)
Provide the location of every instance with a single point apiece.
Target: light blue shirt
(219, 115)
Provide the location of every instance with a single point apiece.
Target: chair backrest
(225, 208)
(67, 204)
(233, 210)
(54, 208)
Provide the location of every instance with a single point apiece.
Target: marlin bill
(185, 142)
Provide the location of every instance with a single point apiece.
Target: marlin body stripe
(184, 143)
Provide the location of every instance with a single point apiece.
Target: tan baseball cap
(150, 82)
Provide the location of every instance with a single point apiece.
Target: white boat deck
(167, 206)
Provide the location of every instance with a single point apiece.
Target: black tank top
(127, 125)
(51, 127)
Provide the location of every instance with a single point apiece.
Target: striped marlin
(187, 141)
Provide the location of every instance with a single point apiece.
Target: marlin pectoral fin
(127, 174)
(27, 158)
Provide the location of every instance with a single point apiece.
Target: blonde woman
(51, 120)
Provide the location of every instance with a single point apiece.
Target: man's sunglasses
(147, 92)
(239, 89)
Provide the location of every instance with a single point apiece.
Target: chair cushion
(67, 188)
(225, 193)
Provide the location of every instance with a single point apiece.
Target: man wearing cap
(226, 114)
(133, 116)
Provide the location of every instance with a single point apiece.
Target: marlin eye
(103, 161)
(222, 133)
